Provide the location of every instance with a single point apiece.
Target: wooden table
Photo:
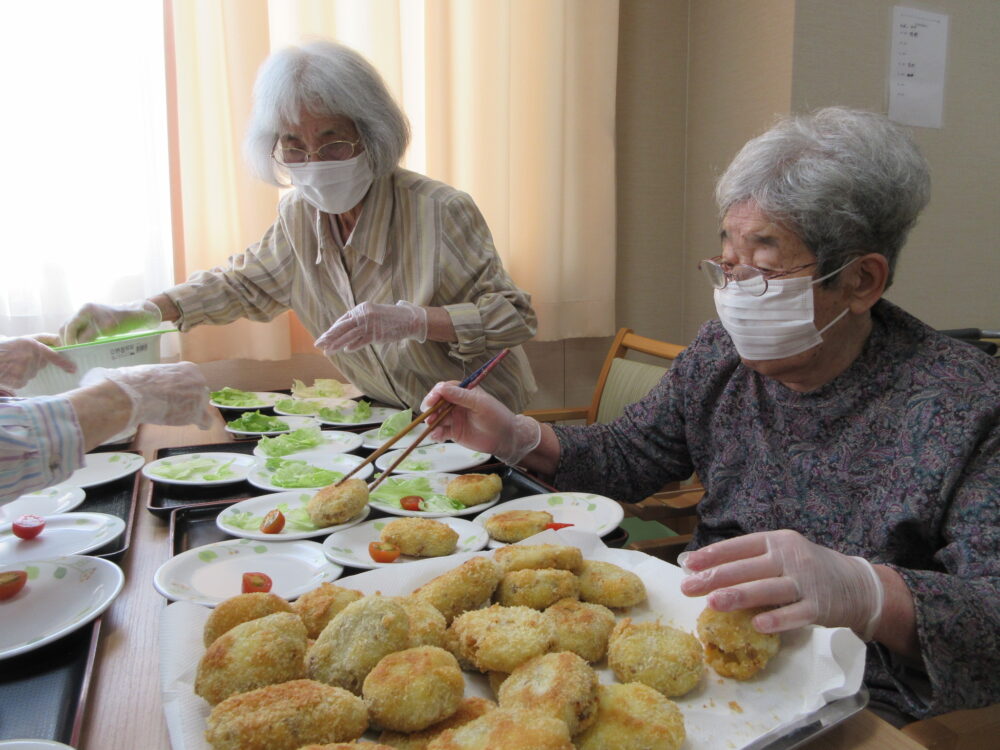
(124, 709)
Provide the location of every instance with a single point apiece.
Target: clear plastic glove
(21, 358)
(174, 394)
(482, 423)
(370, 323)
(808, 583)
(94, 320)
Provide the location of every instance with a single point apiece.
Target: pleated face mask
(333, 186)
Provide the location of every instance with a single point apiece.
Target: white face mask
(333, 186)
(777, 324)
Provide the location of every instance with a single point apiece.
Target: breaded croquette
(427, 625)
(318, 606)
(468, 709)
(338, 503)
(239, 609)
(633, 716)
(581, 627)
(474, 489)
(665, 658)
(561, 685)
(412, 689)
(356, 639)
(461, 589)
(420, 537)
(502, 638)
(348, 746)
(506, 729)
(608, 584)
(496, 679)
(285, 717)
(253, 654)
(524, 556)
(515, 525)
(733, 646)
(536, 588)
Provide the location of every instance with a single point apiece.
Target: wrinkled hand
(808, 583)
(174, 394)
(370, 323)
(482, 423)
(94, 320)
(21, 358)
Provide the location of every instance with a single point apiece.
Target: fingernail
(682, 561)
(724, 600)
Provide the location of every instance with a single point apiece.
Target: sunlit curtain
(510, 100)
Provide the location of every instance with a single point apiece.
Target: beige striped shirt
(417, 240)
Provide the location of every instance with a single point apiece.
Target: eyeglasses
(749, 279)
(332, 151)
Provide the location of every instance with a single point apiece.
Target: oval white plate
(378, 416)
(209, 574)
(64, 534)
(440, 457)
(439, 483)
(59, 498)
(99, 468)
(33, 745)
(260, 476)
(263, 504)
(294, 423)
(334, 441)
(350, 546)
(267, 400)
(595, 513)
(61, 595)
(318, 403)
(372, 441)
(241, 466)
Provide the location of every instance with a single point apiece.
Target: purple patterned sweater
(896, 460)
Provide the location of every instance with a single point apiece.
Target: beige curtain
(512, 101)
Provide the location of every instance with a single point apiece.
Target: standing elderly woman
(395, 273)
(850, 454)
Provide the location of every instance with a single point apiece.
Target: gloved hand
(809, 583)
(21, 358)
(371, 323)
(93, 320)
(174, 394)
(482, 423)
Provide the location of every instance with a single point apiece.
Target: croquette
(463, 588)
(536, 588)
(581, 627)
(348, 746)
(253, 654)
(524, 556)
(506, 729)
(420, 537)
(410, 690)
(665, 658)
(733, 646)
(633, 716)
(318, 606)
(561, 685)
(608, 584)
(239, 609)
(286, 716)
(338, 503)
(474, 489)
(515, 525)
(469, 709)
(427, 624)
(502, 638)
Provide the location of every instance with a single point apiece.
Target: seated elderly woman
(395, 273)
(850, 454)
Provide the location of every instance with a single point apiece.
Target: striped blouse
(417, 240)
(41, 443)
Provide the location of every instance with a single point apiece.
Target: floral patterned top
(896, 460)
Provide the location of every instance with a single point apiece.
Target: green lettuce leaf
(361, 413)
(235, 397)
(394, 489)
(254, 421)
(191, 469)
(301, 439)
(321, 388)
(394, 424)
(297, 406)
(296, 519)
(297, 474)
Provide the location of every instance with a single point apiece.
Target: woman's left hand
(371, 323)
(21, 358)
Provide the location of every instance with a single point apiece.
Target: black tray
(163, 497)
(116, 498)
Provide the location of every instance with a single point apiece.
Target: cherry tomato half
(383, 552)
(557, 526)
(273, 522)
(28, 526)
(411, 502)
(11, 582)
(256, 583)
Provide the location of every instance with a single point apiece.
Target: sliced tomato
(557, 526)
(256, 583)
(411, 502)
(28, 526)
(383, 552)
(273, 522)
(11, 582)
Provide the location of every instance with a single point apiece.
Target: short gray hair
(324, 79)
(846, 182)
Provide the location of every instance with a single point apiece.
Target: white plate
(378, 416)
(59, 498)
(61, 595)
(334, 441)
(240, 466)
(263, 504)
(262, 477)
(99, 468)
(371, 440)
(294, 423)
(438, 484)
(350, 546)
(209, 574)
(33, 745)
(122, 438)
(64, 534)
(267, 400)
(438, 457)
(319, 403)
(594, 513)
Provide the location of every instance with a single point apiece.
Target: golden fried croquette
(427, 625)
(356, 639)
(496, 679)
(536, 588)
(474, 489)
(253, 654)
(581, 627)
(524, 556)
(633, 716)
(409, 690)
(318, 606)
(420, 537)
(660, 656)
(506, 729)
(452, 646)
(463, 588)
(561, 685)
(608, 584)
(733, 646)
(502, 638)
(242, 608)
(468, 709)
(348, 746)
(338, 503)
(515, 525)
(286, 716)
